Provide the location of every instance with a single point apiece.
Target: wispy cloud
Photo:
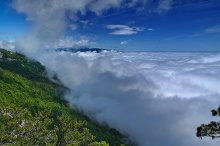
(7, 44)
(124, 29)
(198, 34)
(213, 29)
(164, 5)
(123, 42)
(150, 29)
(68, 42)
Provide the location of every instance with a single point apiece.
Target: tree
(73, 132)
(212, 129)
(19, 127)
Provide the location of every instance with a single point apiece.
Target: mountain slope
(33, 111)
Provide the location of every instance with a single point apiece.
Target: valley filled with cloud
(154, 98)
(153, 91)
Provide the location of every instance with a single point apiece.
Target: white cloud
(69, 42)
(85, 23)
(164, 5)
(135, 2)
(50, 19)
(196, 34)
(101, 5)
(213, 29)
(158, 99)
(7, 44)
(124, 29)
(139, 97)
(150, 29)
(123, 42)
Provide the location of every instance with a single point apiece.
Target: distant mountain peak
(82, 49)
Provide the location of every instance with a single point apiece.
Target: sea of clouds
(157, 99)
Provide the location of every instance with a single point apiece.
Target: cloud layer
(154, 98)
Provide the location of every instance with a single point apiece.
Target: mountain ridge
(82, 49)
(33, 110)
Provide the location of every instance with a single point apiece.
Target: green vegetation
(33, 111)
(212, 129)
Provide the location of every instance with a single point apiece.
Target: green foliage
(19, 64)
(212, 129)
(102, 143)
(33, 110)
(19, 127)
(74, 132)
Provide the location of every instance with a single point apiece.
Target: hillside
(33, 111)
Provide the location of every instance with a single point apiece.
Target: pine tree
(212, 129)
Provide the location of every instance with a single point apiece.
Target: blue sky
(12, 24)
(187, 25)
